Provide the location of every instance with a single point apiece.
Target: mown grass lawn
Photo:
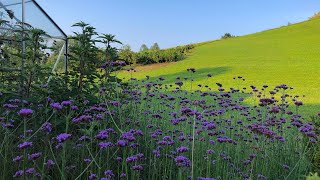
(286, 55)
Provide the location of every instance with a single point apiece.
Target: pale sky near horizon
(177, 22)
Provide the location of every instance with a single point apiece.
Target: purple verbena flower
(87, 160)
(182, 149)
(131, 159)
(123, 175)
(137, 168)
(17, 158)
(109, 173)
(19, 173)
(121, 143)
(49, 164)
(128, 136)
(9, 106)
(66, 103)
(63, 137)
(102, 135)
(31, 171)
(74, 108)
(34, 156)
(204, 178)
(46, 127)
(104, 145)
(182, 161)
(25, 112)
(92, 176)
(24, 145)
(56, 106)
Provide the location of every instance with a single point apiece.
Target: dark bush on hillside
(165, 55)
(227, 36)
(144, 57)
(315, 16)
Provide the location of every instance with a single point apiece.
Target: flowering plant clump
(25, 112)
(63, 137)
(155, 131)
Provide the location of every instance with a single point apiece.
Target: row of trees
(154, 54)
(89, 66)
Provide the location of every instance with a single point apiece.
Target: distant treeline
(154, 54)
(315, 16)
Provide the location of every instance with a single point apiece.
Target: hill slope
(289, 55)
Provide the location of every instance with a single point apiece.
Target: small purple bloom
(109, 173)
(63, 137)
(182, 161)
(102, 135)
(92, 176)
(123, 175)
(119, 159)
(74, 108)
(66, 103)
(34, 156)
(24, 145)
(104, 145)
(121, 143)
(49, 164)
(56, 106)
(17, 158)
(137, 168)
(18, 174)
(182, 149)
(46, 127)
(132, 159)
(31, 171)
(128, 136)
(10, 106)
(87, 160)
(204, 178)
(25, 112)
(298, 103)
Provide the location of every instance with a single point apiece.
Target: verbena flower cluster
(159, 130)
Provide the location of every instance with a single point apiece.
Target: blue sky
(177, 22)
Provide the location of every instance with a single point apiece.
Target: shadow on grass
(198, 75)
(309, 110)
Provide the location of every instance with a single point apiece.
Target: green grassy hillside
(289, 55)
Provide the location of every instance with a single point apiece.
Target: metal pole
(66, 57)
(22, 51)
(57, 61)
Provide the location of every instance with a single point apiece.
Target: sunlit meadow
(155, 131)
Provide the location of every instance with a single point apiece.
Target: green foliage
(84, 60)
(127, 55)
(58, 87)
(155, 47)
(288, 54)
(315, 155)
(36, 58)
(144, 48)
(227, 36)
(24, 78)
(30, 77)
(165, 55)
(110, 53)
(145, 57)
(312, 176)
